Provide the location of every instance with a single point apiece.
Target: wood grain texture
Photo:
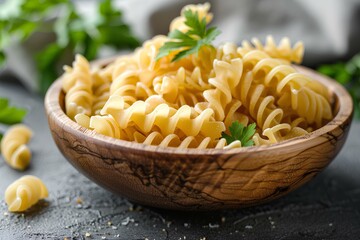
(191, 179)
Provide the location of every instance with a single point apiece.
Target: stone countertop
(328, 207)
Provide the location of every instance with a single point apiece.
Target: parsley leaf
(9, 114)
(239, 132)
(190, 42)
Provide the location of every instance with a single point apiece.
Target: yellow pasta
(282, 51)
(181, 87)
(227, 76)
(13, 146)
(193, 101)
(173, 140)
(259, 104)
(77, 85)
(24, 193)
(293, 89)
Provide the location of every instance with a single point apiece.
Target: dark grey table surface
(328, 207)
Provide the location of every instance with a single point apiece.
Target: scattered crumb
(203, 238)
(213, 225)
(127, 220)
(6, 214)
(117, 235)
(223, 219)
(186, 225)
(330, 224)
(109, 223)
(79, 200)
(248, 227)
(87, 234)
(114, 227)
(163, 230)
(103, 237)
(272, 222)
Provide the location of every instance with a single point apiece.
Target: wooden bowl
(190, 179)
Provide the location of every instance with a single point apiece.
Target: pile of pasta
(191, 102)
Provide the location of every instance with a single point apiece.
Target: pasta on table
(13, 146)
(192, 101)
(24, 193)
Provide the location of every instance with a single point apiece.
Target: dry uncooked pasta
(189, 103)
(13, 146)
(24, 193)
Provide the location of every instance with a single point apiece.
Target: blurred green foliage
(348, 74)
(9, 114)
(75, 33)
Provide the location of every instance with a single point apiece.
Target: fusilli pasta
(192, 102)
(13, 146)
(77, 85)
(283, 51)
(24, 193)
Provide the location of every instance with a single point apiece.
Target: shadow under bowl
(191, 179)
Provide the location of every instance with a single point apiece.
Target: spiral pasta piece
(282, 51)
(105, 125)
(24, 193)
(259, 104)
(13, 146)
(278, 133)
(227, 76)
(227, 52)
(77, 85)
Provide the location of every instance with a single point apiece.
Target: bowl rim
(343, 115)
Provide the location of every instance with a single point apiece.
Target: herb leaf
(239, 132)
(9, 114)
(190, 42)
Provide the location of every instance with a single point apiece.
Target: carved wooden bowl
(190, 179)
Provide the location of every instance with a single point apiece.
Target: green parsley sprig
(191, 41)
(239, 132)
